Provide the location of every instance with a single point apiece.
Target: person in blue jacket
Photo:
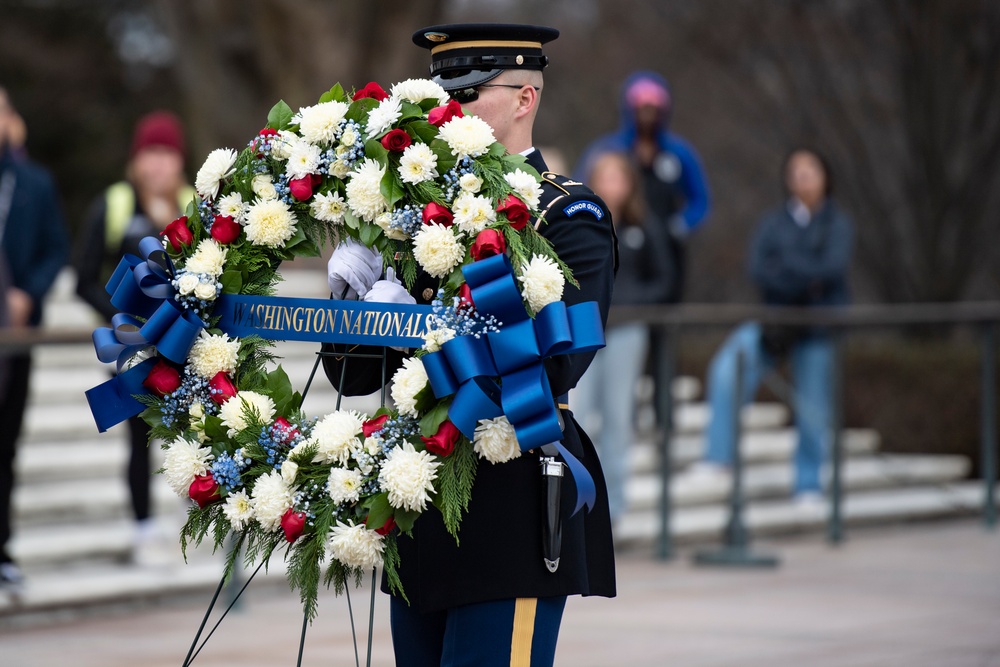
(35, 247)
(672, 175)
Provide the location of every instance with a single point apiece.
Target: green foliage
(456, 475)
(280, 116)
(391, 187)
(335, 94)
(433, 418)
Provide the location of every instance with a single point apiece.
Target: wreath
(410, 175)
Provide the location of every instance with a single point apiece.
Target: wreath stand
(198, 643)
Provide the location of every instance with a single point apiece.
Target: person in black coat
(491, 600)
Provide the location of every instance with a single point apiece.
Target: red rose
(389, 524)
(396, 140)
(293, 523)
(225, 230)
(204, 490)
(372, 90)
(283, 428)
(163, 379)
(301, 188)
(443, 442)
(222, 387)
(438, 116)
(488, 242)
(435, 214)
(465, 297)
(374, 425)
(178, 234)
(516, 211)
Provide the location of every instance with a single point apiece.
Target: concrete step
(74, 500)
(771, 480)
(773, 517)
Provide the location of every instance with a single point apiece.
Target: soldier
(492, 600)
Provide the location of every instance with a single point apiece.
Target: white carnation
(303, 160)
(232, 205)
(473, 213)
(495, 440)
(270, 500)
(437, 250)
(467, 136)
(418, 90)
(418, 164)
(218, 165)
(336, 436)
(206, 291)
(408, 380)
(211, 354)
(231, 412)
(364, 191)
(542, 282)
(183, 461)
(263, 187)
(355, 546)
(270, 223)
(525, 186)
(383, 116)
(320, 123)
(435, 338)
(328, 207)
(209, 257)
(186, 283)
(407, 476)
(344, 485)
(282, 144)
(238, 509)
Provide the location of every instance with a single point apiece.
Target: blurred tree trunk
(238, 57)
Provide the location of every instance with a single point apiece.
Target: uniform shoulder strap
(119, 205)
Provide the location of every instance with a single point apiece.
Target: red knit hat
(159, 128)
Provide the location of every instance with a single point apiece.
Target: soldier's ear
(527, 101)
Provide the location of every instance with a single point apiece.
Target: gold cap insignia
(428, 294)
(519, 60)
(436, 36)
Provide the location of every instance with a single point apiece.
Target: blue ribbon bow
(139, 288)
(467, 366)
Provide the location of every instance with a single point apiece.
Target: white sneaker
(705, 473)
(810, 503)
(11, 579)
(150, 548)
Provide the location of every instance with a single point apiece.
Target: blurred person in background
(800, 256)
(35, 248)
(605, 396)
(154, 193)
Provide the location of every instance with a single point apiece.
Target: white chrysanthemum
(437, 250)
(364, 191)
(355, 546)
(467, 136)
(383, 116)
(263, 186)
(328, 207)
(384, 220)
(270, 223)
(345, 485)
(408, 380)
(542, 282)
(211, 354)
(205, 291)
(270, 500)
(336, 436)
(320, 123)
(418, 90)
(525, 186)
(418, 164)
(231, 412)
(209, 257)
(303, 160)
(186, 282)
(218, 165)
(233, 206)
(495, 440)
(473, 213)
(470, 183)
(238, 509)
(435, 338)
(407, 476)
(282, 144)
(183, 461)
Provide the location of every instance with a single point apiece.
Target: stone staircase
(73, 533)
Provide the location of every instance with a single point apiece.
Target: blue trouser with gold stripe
(503, 633)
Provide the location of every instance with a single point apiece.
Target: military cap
(464, 55)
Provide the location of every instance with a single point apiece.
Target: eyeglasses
(466, 95)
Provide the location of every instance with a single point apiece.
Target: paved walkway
(925, 595)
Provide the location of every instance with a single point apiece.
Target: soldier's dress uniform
(490, 600)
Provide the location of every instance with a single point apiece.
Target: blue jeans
(812, 373)
(604, 404)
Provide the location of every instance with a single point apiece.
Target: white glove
(389, 290)
(353, 267)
